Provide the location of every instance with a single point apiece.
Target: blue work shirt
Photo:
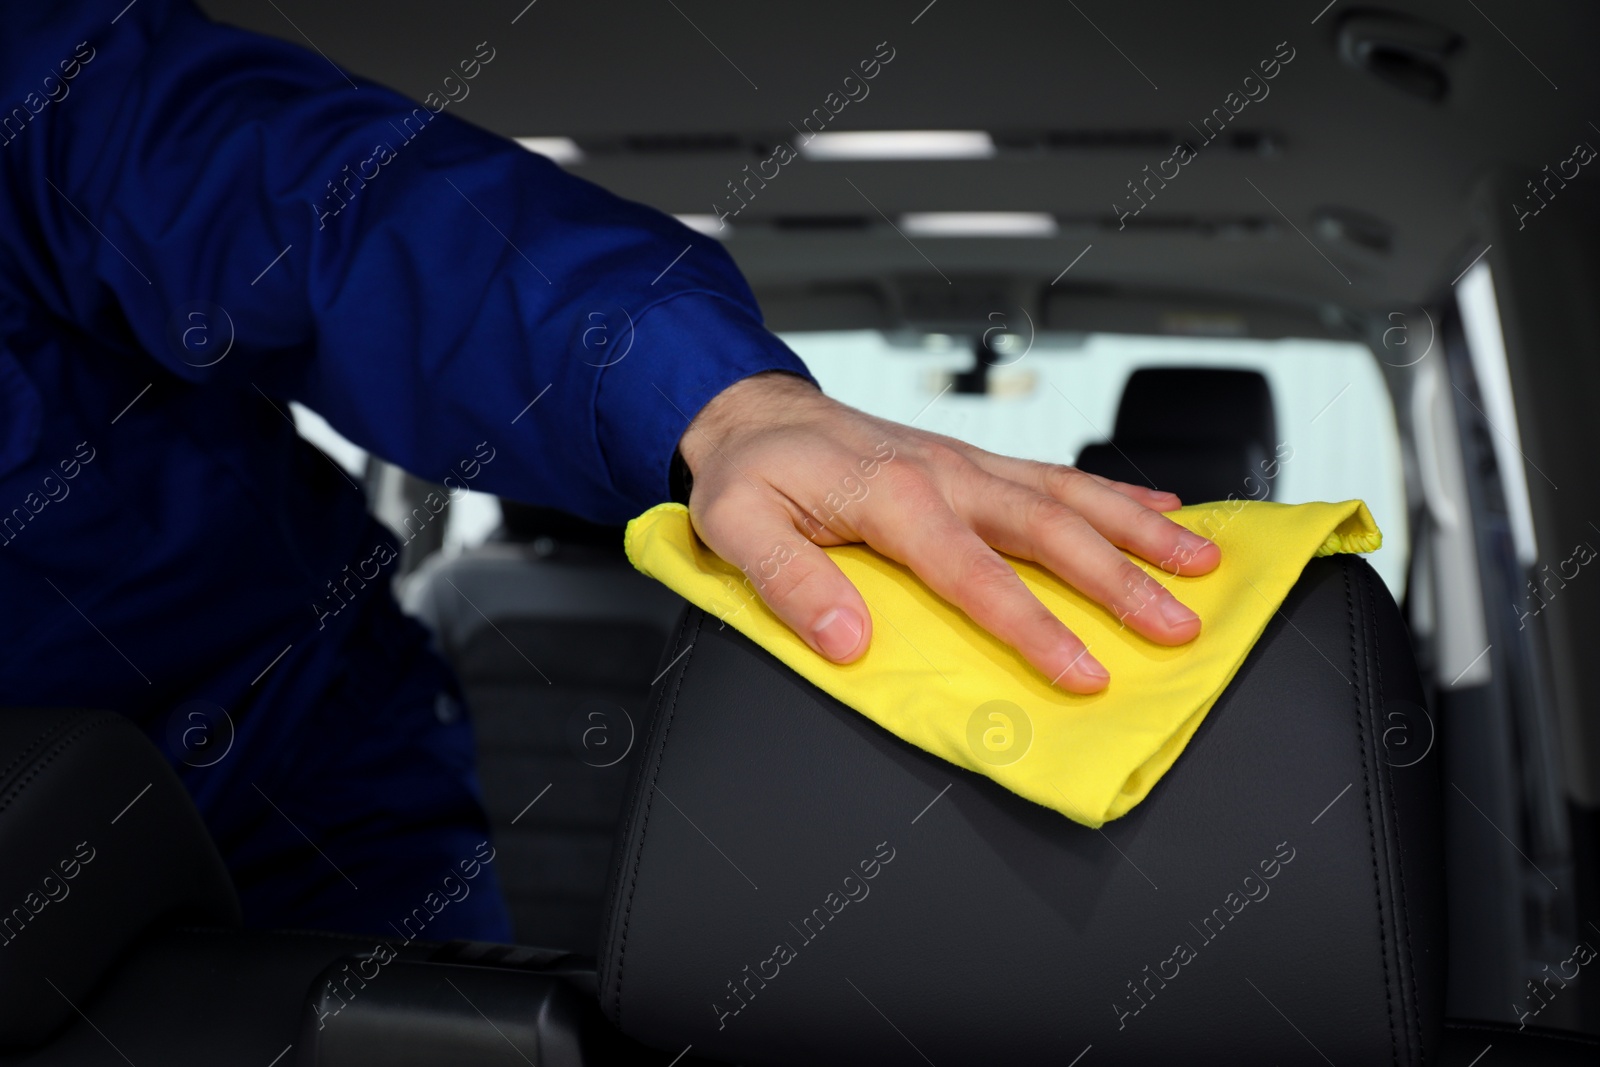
(201, 224)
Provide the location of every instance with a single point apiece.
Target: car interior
(1092, 233)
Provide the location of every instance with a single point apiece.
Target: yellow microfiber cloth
(934, 678)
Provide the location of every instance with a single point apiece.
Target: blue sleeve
(250, 216)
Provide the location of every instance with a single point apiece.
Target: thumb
(793, 576)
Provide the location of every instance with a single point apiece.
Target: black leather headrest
(796, 885)
(1201, 432)
(98, 842)
(1195, 405)
(1197, 473)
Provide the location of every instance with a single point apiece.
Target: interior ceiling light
(563, 150)
(709, 225)
(898, 144)
(978, 224)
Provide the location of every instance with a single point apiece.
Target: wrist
(760, 399)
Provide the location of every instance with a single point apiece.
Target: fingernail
(837, 633)
(1192, 543)
(1089, 667)
(1176, 614)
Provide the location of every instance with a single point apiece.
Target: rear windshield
(1049, 399)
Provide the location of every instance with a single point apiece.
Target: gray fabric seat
(556, 644)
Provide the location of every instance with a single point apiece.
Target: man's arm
(428, 286)
(418, 281)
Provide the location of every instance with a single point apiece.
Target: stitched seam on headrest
(1410, 1016)
(57, 749)
(1356, 648)
(671, 708)
(40, 740)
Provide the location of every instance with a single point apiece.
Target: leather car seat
(795, 885)
(1201, 432)
(104, 864)
(99, 843)
(100, 972)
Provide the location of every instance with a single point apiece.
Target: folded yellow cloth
(934, 678)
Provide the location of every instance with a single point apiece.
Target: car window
(1048, 399)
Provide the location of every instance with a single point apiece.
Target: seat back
(99, 844)
(555, 638)
(793, 884)
(1201, 432)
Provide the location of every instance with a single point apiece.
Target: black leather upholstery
(931, 916)
(1202, 405)
(1201, 432)
(385, 1012)
(200, 997)
(188, 997)
(98, 843)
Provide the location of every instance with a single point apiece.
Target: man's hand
(779, 469)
